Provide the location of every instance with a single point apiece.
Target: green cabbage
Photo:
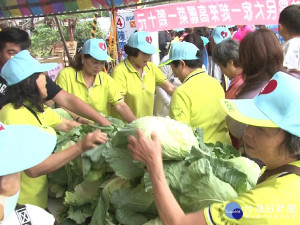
(106, 186)
(63, 113)
(176, 137)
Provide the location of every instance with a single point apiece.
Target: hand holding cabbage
(145, 150)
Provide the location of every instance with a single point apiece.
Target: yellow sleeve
(160, 78)
(114, 94)
(53, 118)
(61, 79)
(180, 107)
(119, 77)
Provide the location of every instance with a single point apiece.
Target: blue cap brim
(245, 111)
(24, 146)
(46, 67)
(165, 63)
(101, 58)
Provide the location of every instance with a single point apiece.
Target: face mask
(9, 204)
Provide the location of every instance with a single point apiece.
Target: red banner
(210, 13)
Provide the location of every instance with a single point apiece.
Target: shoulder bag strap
(33, 112)
(286, 168)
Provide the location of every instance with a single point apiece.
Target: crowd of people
(239, 84)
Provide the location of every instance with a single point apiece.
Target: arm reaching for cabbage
(59, 159)
(150, 152)
(145, 150)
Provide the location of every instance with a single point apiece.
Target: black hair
(188, 30)
(130, 51)
(195, 39)
(172, 33)
(26, 90)
(77, 62)
(202, 31)
(193, 64)
(290, 19)
(16, 36)
(179, 33)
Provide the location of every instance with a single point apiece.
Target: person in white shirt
(289, 29)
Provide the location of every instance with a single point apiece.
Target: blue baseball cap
(96, 48)
(182, 51)
(142, 40)
(24, 146)
(220, 34)
(21, 66)
(277, 105)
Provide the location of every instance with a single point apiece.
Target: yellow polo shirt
(197, 103)
(275, 201)
(33, 190)
(103, 91)
(138, 91)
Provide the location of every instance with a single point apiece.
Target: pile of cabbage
(107, 186)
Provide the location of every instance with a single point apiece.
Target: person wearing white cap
(272, 135)
(86, 80)
(137, 77)
(26, 93)
(197, 101)
(13, 160)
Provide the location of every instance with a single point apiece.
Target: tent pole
(62, 38)
(116, 57)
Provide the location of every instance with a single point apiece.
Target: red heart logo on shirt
(2, 127)
(102, 46)
(149, 39)
(270, 87)
(224, 34)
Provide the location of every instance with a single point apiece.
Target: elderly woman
(226, 55)
(260, 56)
(272, 135)
(86, 80)
(26, 93)
(137, 77)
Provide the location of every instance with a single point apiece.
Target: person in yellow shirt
(272, 135)
(137, 77)
(86, 80)
(26, 94)
(197, 101)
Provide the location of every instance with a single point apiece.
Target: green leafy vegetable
(106, 186)
(176, 137)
